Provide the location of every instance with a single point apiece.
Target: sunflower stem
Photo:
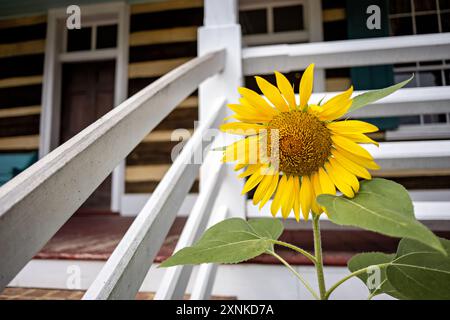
(319, 259)
(287, 265)
(295, 248)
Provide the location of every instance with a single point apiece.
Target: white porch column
(221, 30)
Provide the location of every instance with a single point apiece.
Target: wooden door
(87, 94)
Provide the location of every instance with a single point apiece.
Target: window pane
(400, 6)
(444, 4)
(288, 18)
(427, 24)
(409, 120)
(106, 36)
(401, 26)
(430, 78)
(253, 21)
(445, 21)
(79, 39)
(434, 118)
(402, 76)
(424, 5)
(447, 77)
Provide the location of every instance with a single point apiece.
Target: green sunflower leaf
(382, 206)
(420, 272)
(375, 279)
(371, 96)
(421, 275)
(230, 241)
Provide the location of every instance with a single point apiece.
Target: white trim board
(245, 281)
(132, 204)
(424, 210)
(55, 56)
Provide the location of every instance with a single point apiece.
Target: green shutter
(373, 77)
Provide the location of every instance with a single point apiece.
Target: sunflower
(297, 151)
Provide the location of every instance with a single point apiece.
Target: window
(91, 37)
(410, 17)
(271, 22)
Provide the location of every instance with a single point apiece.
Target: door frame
(55, 57)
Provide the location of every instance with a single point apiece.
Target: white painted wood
(222, 31)
(420, 132)
(132, 204)
(54, 187)
(315, 28)
(243, 281)
(346, 53)
(55, 55)
(51, 89)
(206, 273)
(120, 95)
(94, 55)
(176, 278)
(126, 268)
(424, 210)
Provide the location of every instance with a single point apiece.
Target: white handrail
(50, 191)
(123, 273)
(175, 280)
(346, 53)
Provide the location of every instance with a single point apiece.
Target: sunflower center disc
(304, 142)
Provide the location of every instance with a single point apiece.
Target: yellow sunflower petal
(351, 166)
(242, 128)
(316, 192)
(296, 205)
(306, 85)
(339, 183)
(288, 198)
(253, 181)
(263, 186)
(248, 115)
(336, 112)
(286, 89)
(245, 151)
(272, 93)
(344, 175)
(250, 170)
(271, 190)
(364, 162)
(350, 146)
(239, 166)
(359, 138)
(352, 126)
(337, 100)
(255, 100)
(326, 185)
(276, 202)
(306, 196)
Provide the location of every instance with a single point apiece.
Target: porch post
(222, 30)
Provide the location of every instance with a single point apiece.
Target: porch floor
(95, 236)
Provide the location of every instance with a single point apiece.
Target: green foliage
(371, 96)
(230, 241)
(419, 272)
(367, 259)
(382, 206)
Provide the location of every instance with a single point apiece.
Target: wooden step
(15, 293)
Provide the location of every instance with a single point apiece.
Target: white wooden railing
(35, 204)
